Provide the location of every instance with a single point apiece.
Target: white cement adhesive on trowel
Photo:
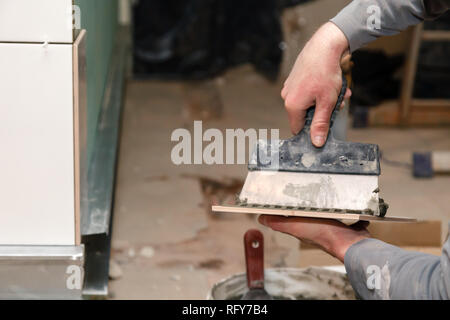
(312, 190)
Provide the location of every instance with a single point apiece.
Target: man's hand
(332, 236)
(316, 78)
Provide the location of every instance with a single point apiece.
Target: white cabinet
(37, 145)
(36, 21)
(42, 148)
(42, 127)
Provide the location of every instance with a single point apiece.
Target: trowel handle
(310, 111)
(254, 258)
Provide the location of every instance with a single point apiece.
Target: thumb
(321, 120)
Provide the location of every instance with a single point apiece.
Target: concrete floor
(167, 245)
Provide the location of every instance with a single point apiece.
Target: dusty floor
(166, 243)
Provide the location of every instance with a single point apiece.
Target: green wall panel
(99, 18)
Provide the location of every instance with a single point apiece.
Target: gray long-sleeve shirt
(362, 21)
(376, 269)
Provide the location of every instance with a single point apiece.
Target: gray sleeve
(363, 21)
(378, 270)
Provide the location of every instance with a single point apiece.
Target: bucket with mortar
(314, 283)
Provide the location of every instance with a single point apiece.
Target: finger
(321, 120)
(280, 224)
(284, 92)
(360, 225)
(291, 224)
(296, 109)
(268, 220)
(296, 120)
(348, 93)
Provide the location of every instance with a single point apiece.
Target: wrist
(336, 242)
(339, 247)
(333, 40)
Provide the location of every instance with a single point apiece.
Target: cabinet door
(36, 21)
(37, 145)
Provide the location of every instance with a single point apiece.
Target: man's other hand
(331, 236)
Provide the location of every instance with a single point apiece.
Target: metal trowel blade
(313, 191)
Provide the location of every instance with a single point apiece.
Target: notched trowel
(292, 174)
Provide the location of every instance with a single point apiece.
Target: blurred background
(224, 62)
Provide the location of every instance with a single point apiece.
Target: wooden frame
(80, 129)
(421, 111)
(410, 111)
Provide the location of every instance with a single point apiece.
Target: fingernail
(319, 140)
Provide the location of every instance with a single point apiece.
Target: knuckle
(315, 88)
(284, 93)
(290, 104)
(327, 93)
(320, 125)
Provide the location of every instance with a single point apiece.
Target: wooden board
(348, 218)
(436, 35)
(423, 113)
(80, 129)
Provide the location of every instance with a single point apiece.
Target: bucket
(314, 283)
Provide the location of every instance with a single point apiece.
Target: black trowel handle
(310, 111)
